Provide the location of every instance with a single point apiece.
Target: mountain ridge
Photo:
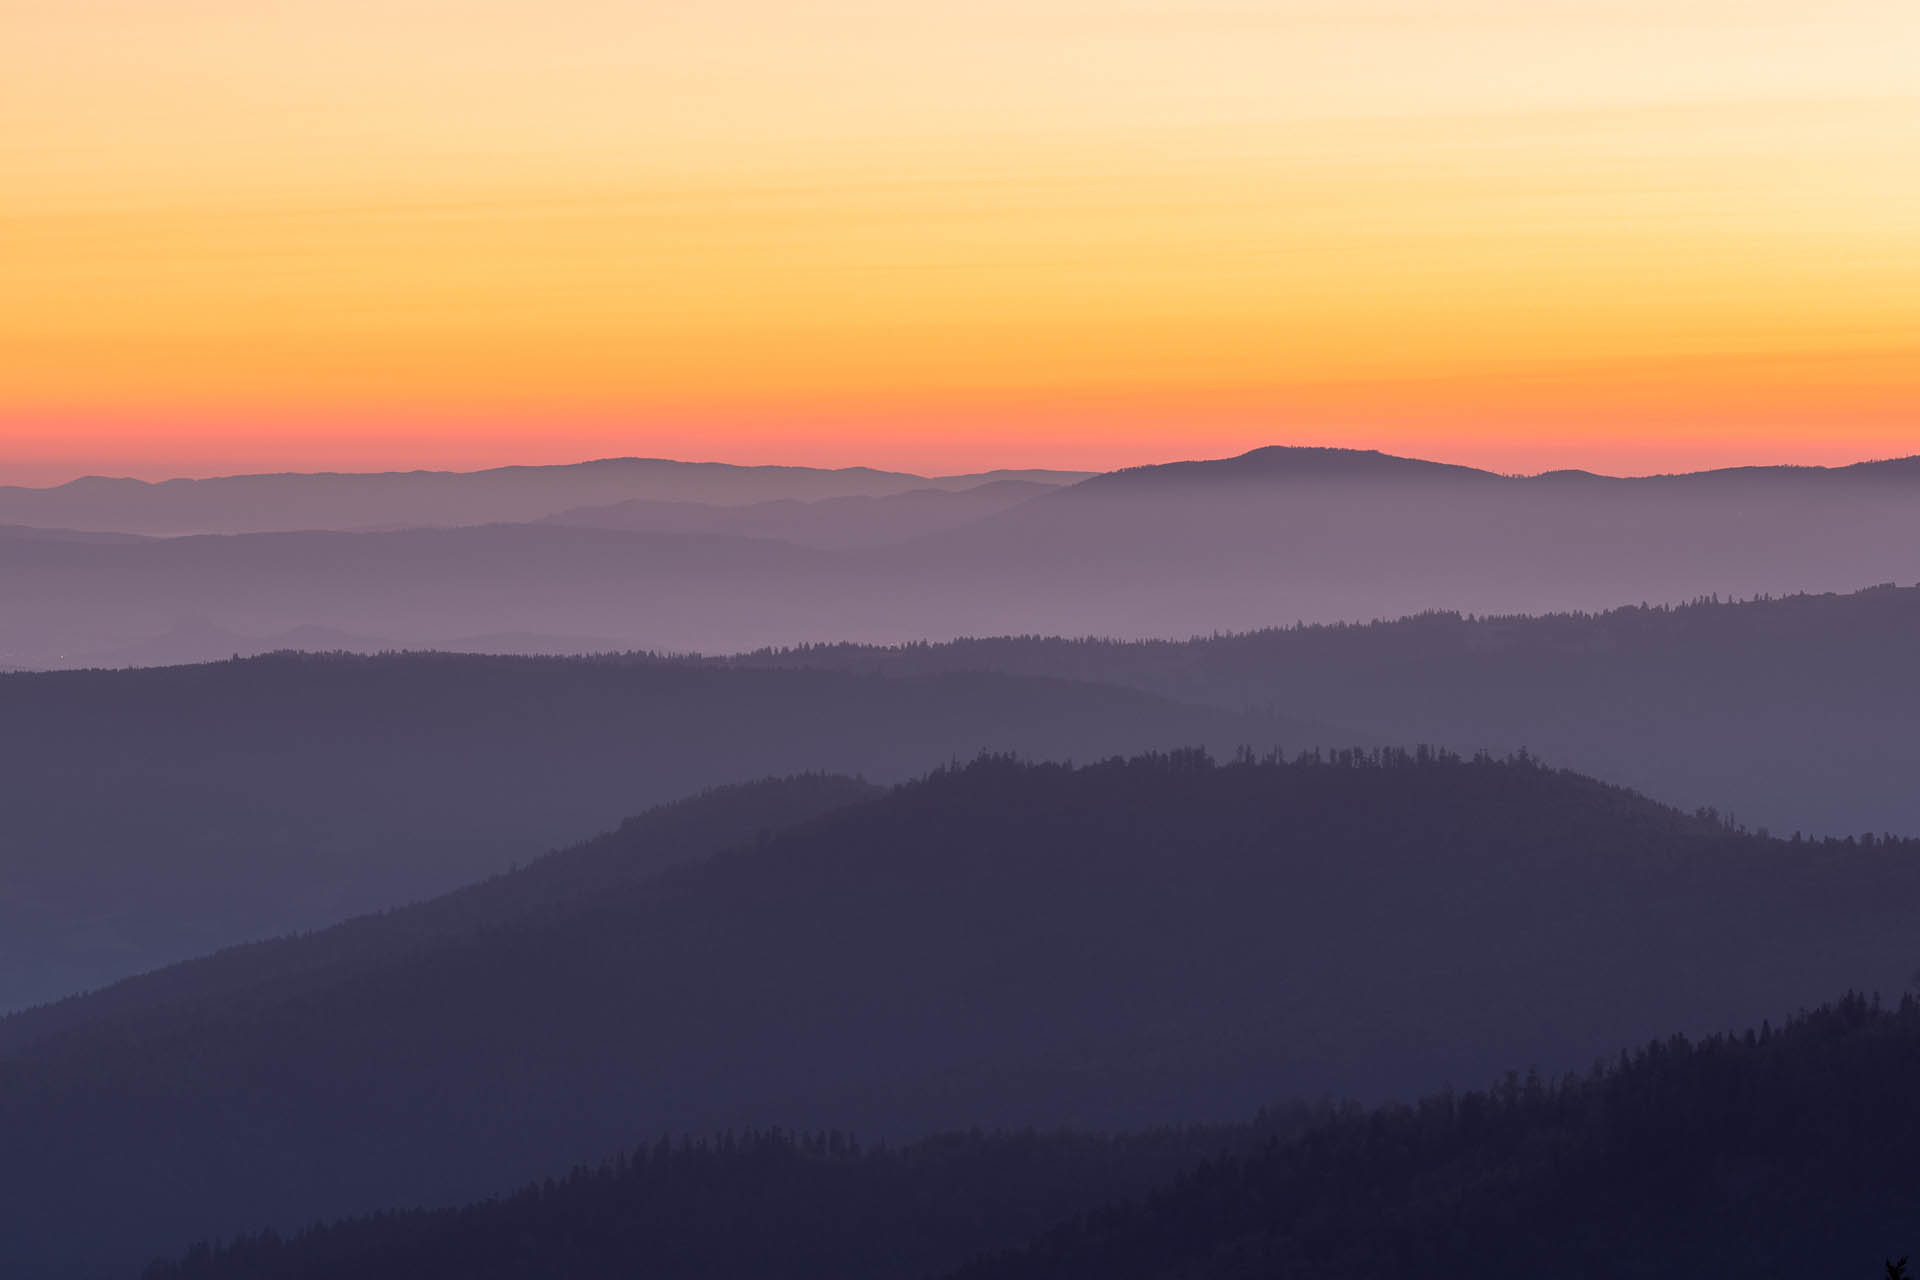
(1793, 711)
(343, 500)
(1134, 555)
(1325, 462)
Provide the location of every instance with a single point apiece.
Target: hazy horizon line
(155, 475)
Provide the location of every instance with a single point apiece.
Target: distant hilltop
(363, 501)
(1280, 462)
(370, 501)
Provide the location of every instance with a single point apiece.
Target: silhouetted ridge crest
(1794, 710)
(1280, 463)
(349, 500)
(1904, 470)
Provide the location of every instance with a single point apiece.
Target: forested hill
(751, 1205)
(1785, 1153)
(244, 976)
(1778, 1153)
(153, 815)
(1160, 940)
(1795, 713)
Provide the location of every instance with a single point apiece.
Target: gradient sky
(1634, 236)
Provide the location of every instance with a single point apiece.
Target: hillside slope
(1783, 1152)
(1795, 713)
(748, 1206)
(1155, 941)
(1780, 1154)
(152, 815)
(254, 973)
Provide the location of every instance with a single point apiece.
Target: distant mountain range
(1279, 536)
(344, 501)
(1270, 538)
(1132, 943)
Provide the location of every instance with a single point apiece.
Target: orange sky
(1630, 235)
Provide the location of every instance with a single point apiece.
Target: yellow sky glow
(1629, 235)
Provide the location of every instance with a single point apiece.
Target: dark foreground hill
(752, 1205)
(151, 815)
(1134, 943)
(1795, 713)
(1780, 1153)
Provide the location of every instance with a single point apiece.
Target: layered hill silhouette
(152, 815)
(1778, 1153)
(1121, 945)
(802, 1206)
(342, 501)
(1274, 537)
(88, 603)
(1794, 713)
(828, 523)
(711, 822)
(1284, 535)
(1782, 1151)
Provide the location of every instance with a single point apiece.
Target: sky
(1634, 236)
